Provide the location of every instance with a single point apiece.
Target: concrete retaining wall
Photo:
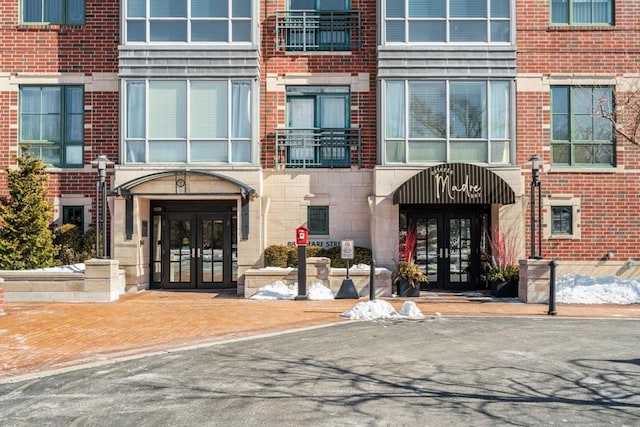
(319, 271)
(102, 281)
(535, 275)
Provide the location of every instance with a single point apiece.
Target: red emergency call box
(302, 236)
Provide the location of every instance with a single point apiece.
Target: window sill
(44, 26)
(563, 237)
(580, 169)
(580, 27)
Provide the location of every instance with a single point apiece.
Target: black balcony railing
(318, 148)
(311, 30)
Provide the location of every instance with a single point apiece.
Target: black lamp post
(102, 162)
(536, 188)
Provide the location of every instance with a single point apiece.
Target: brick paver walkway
(43, 336)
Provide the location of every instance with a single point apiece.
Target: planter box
(505, 289)
(405, 290)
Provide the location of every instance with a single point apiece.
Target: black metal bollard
(302, 273)
(552, 288)
(372, 278)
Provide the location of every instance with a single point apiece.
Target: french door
(449, 247)
(317, 119)
(321, 24)
(194, 251)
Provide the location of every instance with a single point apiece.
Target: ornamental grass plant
(407, 269)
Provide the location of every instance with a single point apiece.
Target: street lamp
(536, 162)
(102, 162)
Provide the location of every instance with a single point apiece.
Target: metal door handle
(446, 253)
(440, 253)
(193, 252)
(199, 253)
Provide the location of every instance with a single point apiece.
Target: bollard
(302, 273)
(552, 288)
(372, 278)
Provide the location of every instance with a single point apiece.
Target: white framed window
(447, 21)
(447, 121)
(562, 216)
(187, 121)
(188, 21)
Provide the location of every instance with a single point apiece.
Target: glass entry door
(448, 248)
(194, 251)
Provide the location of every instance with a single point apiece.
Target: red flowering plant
(504, 256)
(407, 269)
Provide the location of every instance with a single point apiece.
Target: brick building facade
(232, 123)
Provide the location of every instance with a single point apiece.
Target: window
(52, 123)
(70, 12)
(447, 21)
(578, 12)
(318, 220)
(73, 215)
(581, 130)
(188, 121)
(561, 220)
(189, 21)
(562, 213)
(317, 124)
(452, 121)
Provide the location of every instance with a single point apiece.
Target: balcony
(313, 31)
(318, 148)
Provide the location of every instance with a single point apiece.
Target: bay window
(447, 21)
(447, 121)
(188, 121)
(188, 21)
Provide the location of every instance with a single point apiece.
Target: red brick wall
(609, 200)
(277, 61)
(87, 49)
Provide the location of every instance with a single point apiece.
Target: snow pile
(276, 290)
(279, 290)
(380, 309)
(576, 289)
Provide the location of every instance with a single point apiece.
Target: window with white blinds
(169, 121)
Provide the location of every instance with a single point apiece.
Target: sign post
(302, 240)
(347, 289)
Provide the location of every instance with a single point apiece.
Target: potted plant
(504, 273)
(409, 275)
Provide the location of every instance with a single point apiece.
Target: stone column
(103, 280)
(534, 281)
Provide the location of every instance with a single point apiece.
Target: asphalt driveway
(434, 372)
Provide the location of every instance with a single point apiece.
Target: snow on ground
(570, 288)
(279, 290)
(381, 309)
(577, 289)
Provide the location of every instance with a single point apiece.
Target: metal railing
(318, 147)
(312, 30)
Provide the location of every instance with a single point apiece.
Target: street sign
(347, 249)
